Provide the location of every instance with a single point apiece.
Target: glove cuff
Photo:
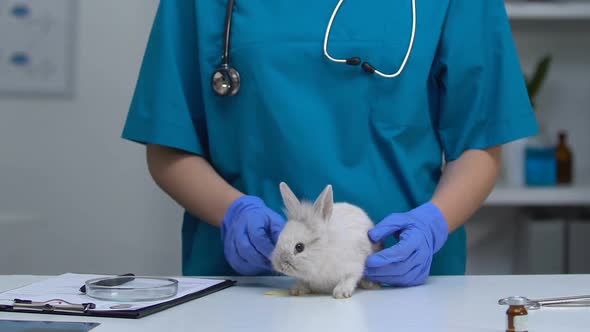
(433, 218)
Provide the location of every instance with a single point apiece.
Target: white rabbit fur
(335, 242)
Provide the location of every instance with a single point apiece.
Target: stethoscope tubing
(226, 43)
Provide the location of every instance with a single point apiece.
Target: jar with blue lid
(540, 166)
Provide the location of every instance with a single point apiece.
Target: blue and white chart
(36, 47)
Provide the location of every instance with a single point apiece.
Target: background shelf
(557, 10)
(574, 195)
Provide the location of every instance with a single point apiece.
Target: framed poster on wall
(37, 47)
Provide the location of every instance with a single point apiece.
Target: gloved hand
(249, 231)
(421, 233)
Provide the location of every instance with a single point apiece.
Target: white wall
(74, 196)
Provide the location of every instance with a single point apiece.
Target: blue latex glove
(249, 231)
(421, 233)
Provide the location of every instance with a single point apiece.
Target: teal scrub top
(305, 120)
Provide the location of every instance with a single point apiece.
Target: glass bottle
(517, 314)
(564, 158)
(517, 318)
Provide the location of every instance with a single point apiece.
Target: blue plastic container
(540, 166)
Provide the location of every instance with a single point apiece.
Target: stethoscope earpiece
(367, 67)
(353, 61)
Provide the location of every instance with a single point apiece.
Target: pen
(112, 282)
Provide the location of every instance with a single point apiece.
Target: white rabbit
(324, 245)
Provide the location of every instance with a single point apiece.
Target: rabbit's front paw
(300, 288)
(343, 290)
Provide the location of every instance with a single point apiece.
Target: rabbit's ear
(324, 203)
(289, 199)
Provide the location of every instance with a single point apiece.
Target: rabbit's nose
(285, 257)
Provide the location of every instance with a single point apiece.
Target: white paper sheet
(66, 287)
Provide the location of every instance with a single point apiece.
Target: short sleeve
(483, 99)
(166, 107)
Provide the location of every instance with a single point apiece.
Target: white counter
(443, 304)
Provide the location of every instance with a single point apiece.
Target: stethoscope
(226, 79)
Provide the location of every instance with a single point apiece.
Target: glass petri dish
(131, 289)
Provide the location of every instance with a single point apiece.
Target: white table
(443, 304)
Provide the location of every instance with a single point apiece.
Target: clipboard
(53, 304)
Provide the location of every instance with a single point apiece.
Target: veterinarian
(368, 97)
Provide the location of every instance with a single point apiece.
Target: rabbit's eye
(299, 247)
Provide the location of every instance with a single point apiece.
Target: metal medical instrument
(225, 81)
(534, 304)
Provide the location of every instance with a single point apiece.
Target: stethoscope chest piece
(225, 81)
